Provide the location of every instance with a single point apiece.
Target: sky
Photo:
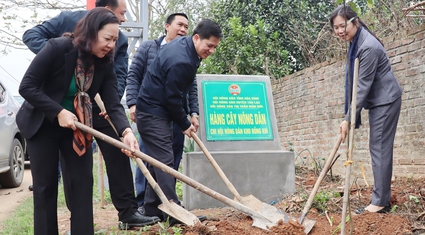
(14, 63)
(13, 67)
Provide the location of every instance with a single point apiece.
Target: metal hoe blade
(270, 212)
(274, 213)
(260, 221)
(168, 206)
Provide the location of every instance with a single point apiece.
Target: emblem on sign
(234, 89)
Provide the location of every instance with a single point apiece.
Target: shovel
(167, 206)
(346, 198)
(263, 221)
(319, 180)
(249, 200)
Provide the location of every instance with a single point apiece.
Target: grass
(21, 221)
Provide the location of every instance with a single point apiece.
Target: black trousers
(157, 135)
(120, 176)
(178, 145)
(44, 148)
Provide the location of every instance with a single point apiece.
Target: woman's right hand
(343, 130)
(66, 119)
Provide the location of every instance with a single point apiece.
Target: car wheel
(14, 176)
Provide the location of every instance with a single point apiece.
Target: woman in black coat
(57, 88)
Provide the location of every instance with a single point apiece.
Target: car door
(7, 125)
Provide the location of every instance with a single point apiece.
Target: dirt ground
(11, 198)
(407, 216)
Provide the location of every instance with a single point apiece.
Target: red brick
(407, 41)
(418, 161)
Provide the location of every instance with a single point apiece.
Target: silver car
(21, 100)
(12, 144)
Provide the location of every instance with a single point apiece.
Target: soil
(407, 216)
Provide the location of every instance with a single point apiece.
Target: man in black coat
(176, 25)
(161, 99)
(117, 164)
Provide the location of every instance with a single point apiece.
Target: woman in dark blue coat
(57, 88)
(379, 92)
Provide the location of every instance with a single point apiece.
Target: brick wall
(310, 105)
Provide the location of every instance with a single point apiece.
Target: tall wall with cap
(310, 105)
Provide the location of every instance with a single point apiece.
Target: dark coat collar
(362, 36)
(193, 54)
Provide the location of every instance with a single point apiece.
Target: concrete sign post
(238, 127)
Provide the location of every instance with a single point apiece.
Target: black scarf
(349, 74)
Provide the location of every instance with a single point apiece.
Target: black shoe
(173, 221)
(384, 210)
(137, 220)
(360, 210)
(202, 218)
(141, 209)
(30, 188)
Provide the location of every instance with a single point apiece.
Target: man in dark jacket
(160, 103)
(117, 164)
(176, 25)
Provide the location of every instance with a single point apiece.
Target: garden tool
(348, 163)
(263, 220)
(249, 200)
(167, 206)
(319, 180)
